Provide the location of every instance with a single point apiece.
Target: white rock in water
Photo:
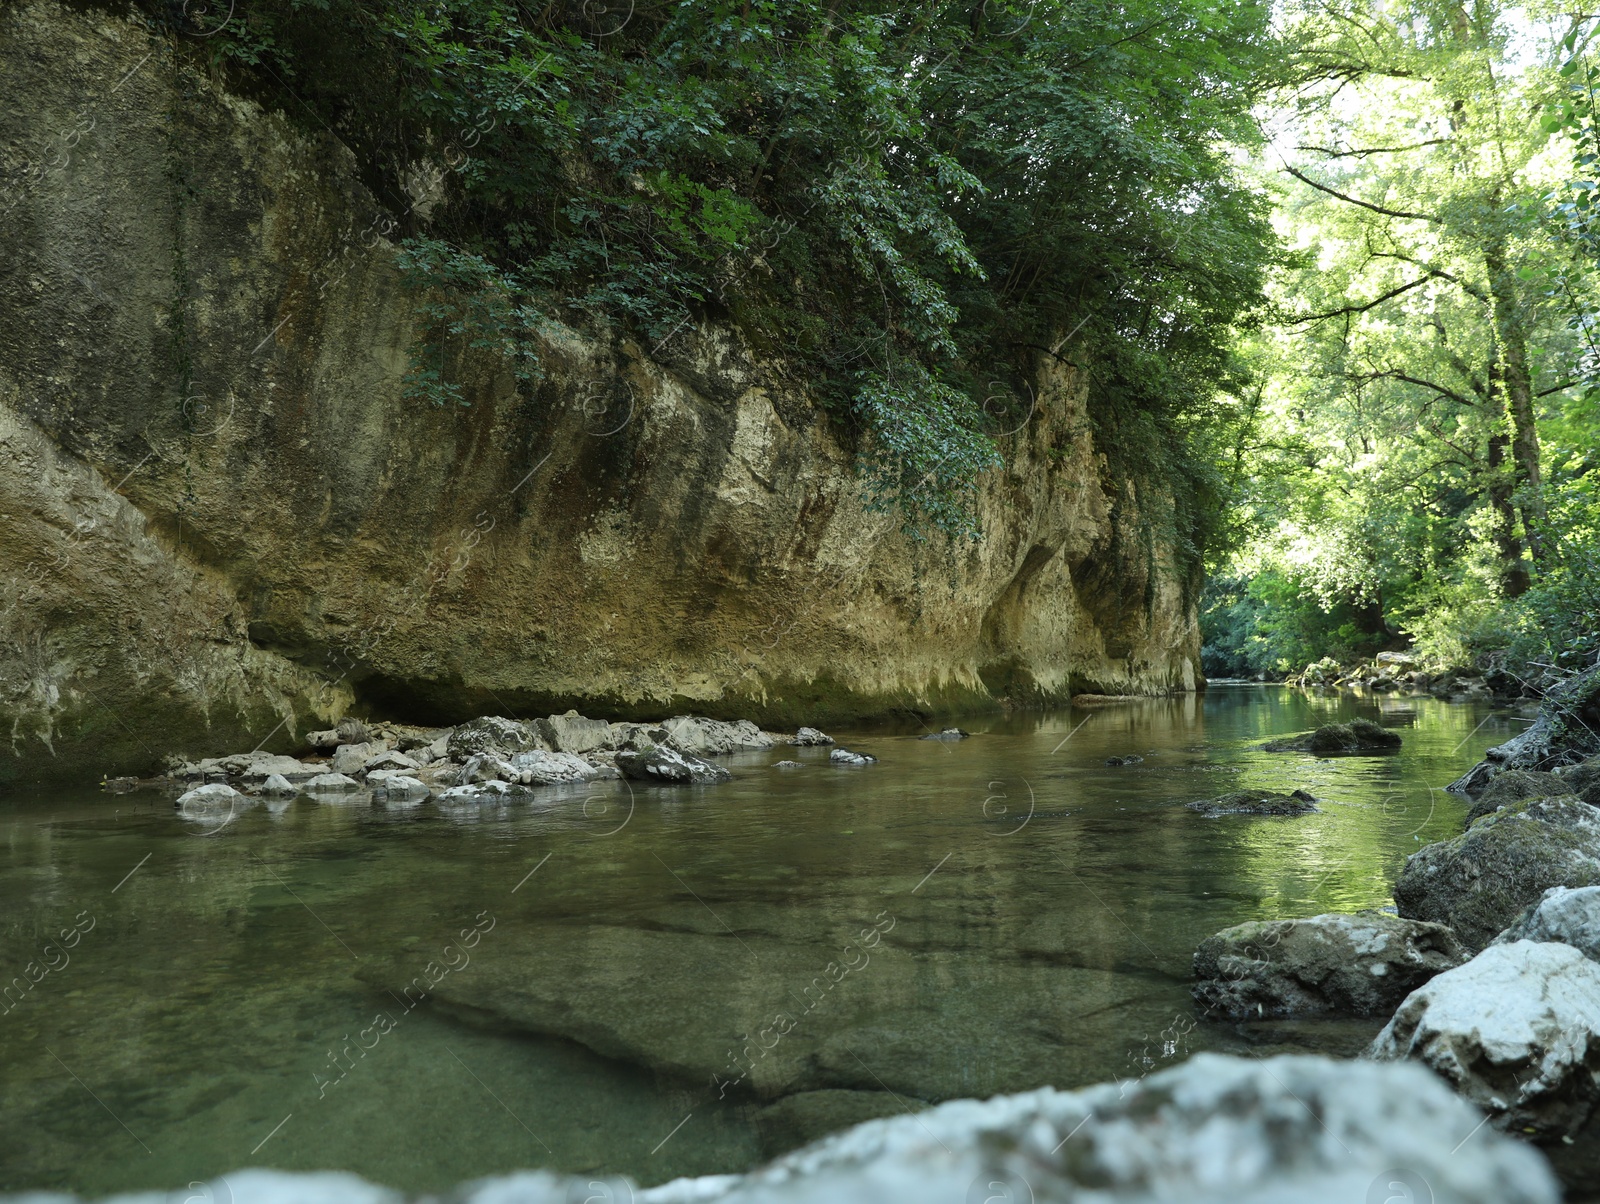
(331, 783)
(278, 786)
(808, 736)
(1571, 917)
(1213, 1130)
(394, 784)
(710, 737)
(213, 794)
(551, 769)
(1516, 1030)
(843, 756)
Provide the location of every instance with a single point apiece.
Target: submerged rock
(1513, 786)
(949, 733)
(1568, 917)
(787, 765)
(1113, 762)
(1256, 802)
(1478, 882)
(798, 1120)
(1516, 1030)
(699, 736)
(1359, 735)
(669, 765)
(843, 756)
(1361, 965)
(809, 736)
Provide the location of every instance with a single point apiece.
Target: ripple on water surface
(622, 980)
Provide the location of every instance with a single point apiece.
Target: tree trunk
(1516, 381)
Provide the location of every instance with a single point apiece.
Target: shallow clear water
(1043, 905)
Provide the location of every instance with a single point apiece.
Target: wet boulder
(1360, 965)
(1359, 735)
(1256, 802)
(278, 786)
(669, 765)
(1114, 762)
(949, 733)
(493, 735)
(394, 784)
(810, 736)
(1567, 917)
(212, 794)
(1480, 881)
(844, 756)
(1516, 1030)
(1513, 786)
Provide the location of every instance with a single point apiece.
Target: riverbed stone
(1516, 1030)
(949, 733)
(787, 765)
(635, 737)
(1362, 965)
(1130, 759)
(798, 1120)
(572, 733)
(1256, 802)
(396, 784)
(669, 765)
(845, 756)
(494, 735)
(278, 786)
(702, 737)
(808, 737)
(390, 759)
(551, 768)
(352, 758)
(331, 783)
(1570, 917)
(1480, 881)
(1513, 786)
(244, 767)
(1359, 735)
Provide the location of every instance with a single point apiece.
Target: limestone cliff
(221, 523)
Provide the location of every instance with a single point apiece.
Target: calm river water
(1044, 906)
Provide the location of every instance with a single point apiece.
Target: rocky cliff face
(221, 523)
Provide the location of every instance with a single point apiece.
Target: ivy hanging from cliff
(901, 203)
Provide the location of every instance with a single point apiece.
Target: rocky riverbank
(487, 758)
(1490, 970)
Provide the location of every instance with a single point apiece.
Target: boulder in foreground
(1213, 1130)
(1516, 1030)
(1360, 965)
(669, 765)
(1568, 917)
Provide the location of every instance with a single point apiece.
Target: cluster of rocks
(1490, 970)
(1391, 672)
(487, 758)
(1357, 736)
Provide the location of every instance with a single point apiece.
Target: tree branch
(1373, 150)
(1436, 273)
(1347, 310)
(1305, 179)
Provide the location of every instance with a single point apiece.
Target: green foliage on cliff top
(906, 205)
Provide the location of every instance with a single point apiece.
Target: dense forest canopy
(1327, 263)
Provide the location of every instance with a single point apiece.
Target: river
(990, 914)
